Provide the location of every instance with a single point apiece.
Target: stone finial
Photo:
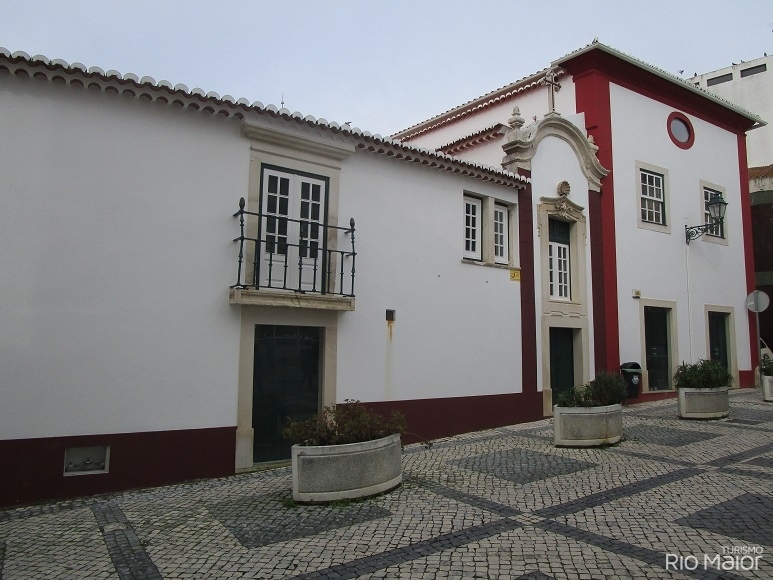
(516, 121)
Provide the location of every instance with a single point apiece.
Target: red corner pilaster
(748, 242)
(592, 98)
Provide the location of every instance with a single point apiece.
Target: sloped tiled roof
(596, 45)
(761, 172)
(147, 88)
(475, 105)
(531, 81)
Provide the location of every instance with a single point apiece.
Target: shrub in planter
(702, 389)
(590, 415)
(606, 389)
(351, 422)
(347, 451)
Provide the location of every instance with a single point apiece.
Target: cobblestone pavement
(675, 499)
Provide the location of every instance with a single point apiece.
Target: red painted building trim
(592, 98)
(33, 468)
(691, 130)
(430, 419)
(657, 88)
(532, 396)
(748, 245)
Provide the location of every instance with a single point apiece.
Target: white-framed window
(501, 234)
(717, 230)
(559, 273)
(472, 227)
(653, 206)
(652, 198)
(292, 229)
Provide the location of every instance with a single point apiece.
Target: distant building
(184, 270)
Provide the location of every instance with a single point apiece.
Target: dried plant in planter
(351, 422)
(606, 389)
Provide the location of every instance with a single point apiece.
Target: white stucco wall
(661, 265)
(116, 253)
(458, 327)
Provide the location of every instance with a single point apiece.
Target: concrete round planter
(703, 403)
(334, 472)
(587, 426)
(767, 388)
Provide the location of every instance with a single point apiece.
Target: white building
(447, 274)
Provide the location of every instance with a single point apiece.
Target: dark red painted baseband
(651, 396)
(435, 418)
(32, 469)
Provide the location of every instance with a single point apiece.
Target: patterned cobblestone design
(608, 495)
(418, 550)
(245, 519)
(499, 504)
(522, 465)
(126, 551)
(468, 498)
(746, 517)
(761, 461)
(666, 435)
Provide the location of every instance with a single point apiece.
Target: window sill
(488, 264)
(290, 299)
(653, 227)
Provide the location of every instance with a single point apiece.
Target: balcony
(295, 263)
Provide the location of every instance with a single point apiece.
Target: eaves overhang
(609, 59)
(226, 106)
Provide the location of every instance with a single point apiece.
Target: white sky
(383, 65)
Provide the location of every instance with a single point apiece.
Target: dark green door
(718, 337)
(657, 348)
(285, 384)
(561, 360)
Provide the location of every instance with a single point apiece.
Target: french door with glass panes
(292, 230)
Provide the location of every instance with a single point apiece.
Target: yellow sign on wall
(515, 275)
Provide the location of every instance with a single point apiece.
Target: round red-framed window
(680, 130)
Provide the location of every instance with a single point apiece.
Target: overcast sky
(383, 66)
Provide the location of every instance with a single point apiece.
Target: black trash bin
(632, 375)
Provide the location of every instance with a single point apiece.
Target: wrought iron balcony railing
(297, 255)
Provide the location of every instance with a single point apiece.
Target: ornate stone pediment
(521, 145)
(562, 207)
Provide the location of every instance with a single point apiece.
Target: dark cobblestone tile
(2, 557)
(660, 435)
(124, 547)
(652, 557)
(651, 457)
(467, 498)
(417, 550)
(748, 473)
(747, 517)
(247, 519)
(602, 497)
(522, 465)
(761, 461)
(740, 456)
(537, 575)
